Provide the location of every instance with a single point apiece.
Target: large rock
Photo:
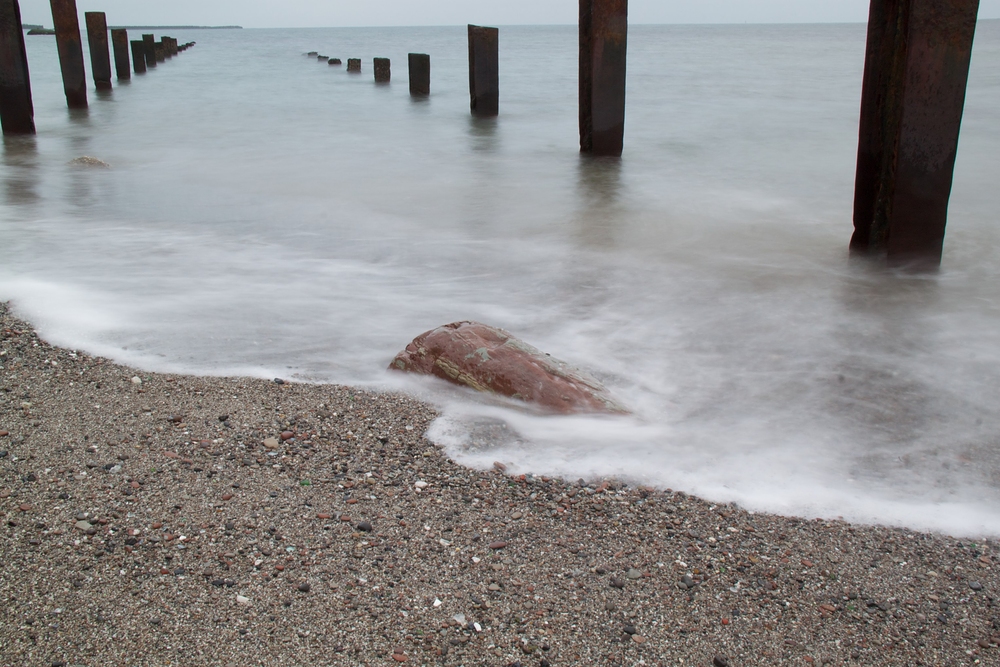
(493, 361)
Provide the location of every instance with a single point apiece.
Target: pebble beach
(153, 519)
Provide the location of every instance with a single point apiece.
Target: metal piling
(119, 40)
(420, 74)
(603, 56)
(149, 49)
(913, 97)
(383, 72)
(484, 70)
(70, 45)
(100, 55)
(138, 55)
(17, 115)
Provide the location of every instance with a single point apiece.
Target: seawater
(272, 216)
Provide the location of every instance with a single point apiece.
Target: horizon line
(529, 25)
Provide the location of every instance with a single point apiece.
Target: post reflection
(483, 134)
(20, 158)
(599, 186)
(888, 318)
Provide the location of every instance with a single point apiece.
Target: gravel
(229, 521)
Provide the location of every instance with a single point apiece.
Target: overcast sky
(328, 13)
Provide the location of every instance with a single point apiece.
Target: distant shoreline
(178, 27)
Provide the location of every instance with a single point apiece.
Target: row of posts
(420, 70)
(603, 41)
(16, 109)
(913, 98)
(603, 51)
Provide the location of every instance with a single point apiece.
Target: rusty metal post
(354, 65)
(913, 98)
(119, 39)
(149, 48)
(138, 56)
(484, 70)
(603, 56)
(67, 25)
(17, 114)
(383, 74)
(420, 74)
(100, 56)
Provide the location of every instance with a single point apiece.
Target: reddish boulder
(493, 361)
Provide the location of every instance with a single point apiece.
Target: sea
(266, 214)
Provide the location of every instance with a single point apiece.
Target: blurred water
(273, 216)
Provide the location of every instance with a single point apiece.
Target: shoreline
(317, 524)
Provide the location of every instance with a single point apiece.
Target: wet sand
(173, 520)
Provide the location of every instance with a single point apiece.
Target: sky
(331, 13)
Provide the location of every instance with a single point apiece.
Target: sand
(172, 520)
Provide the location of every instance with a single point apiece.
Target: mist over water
(272, 216)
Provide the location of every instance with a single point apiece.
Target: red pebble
(806, 563)
(287, 435)
(497, 545)
(227, 496)
(4, 434)
(322, 516)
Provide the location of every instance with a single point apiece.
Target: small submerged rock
(88, 161)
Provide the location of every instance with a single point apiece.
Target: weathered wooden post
(139, 56)
(148, 43)
(159, 51)
(383, 73)
(603, 56)
(420, 74)
(354, 65)
(484, 70)
(17, 115)
(100, 56)
(67, 25)
(119, 39)
(913, 97)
